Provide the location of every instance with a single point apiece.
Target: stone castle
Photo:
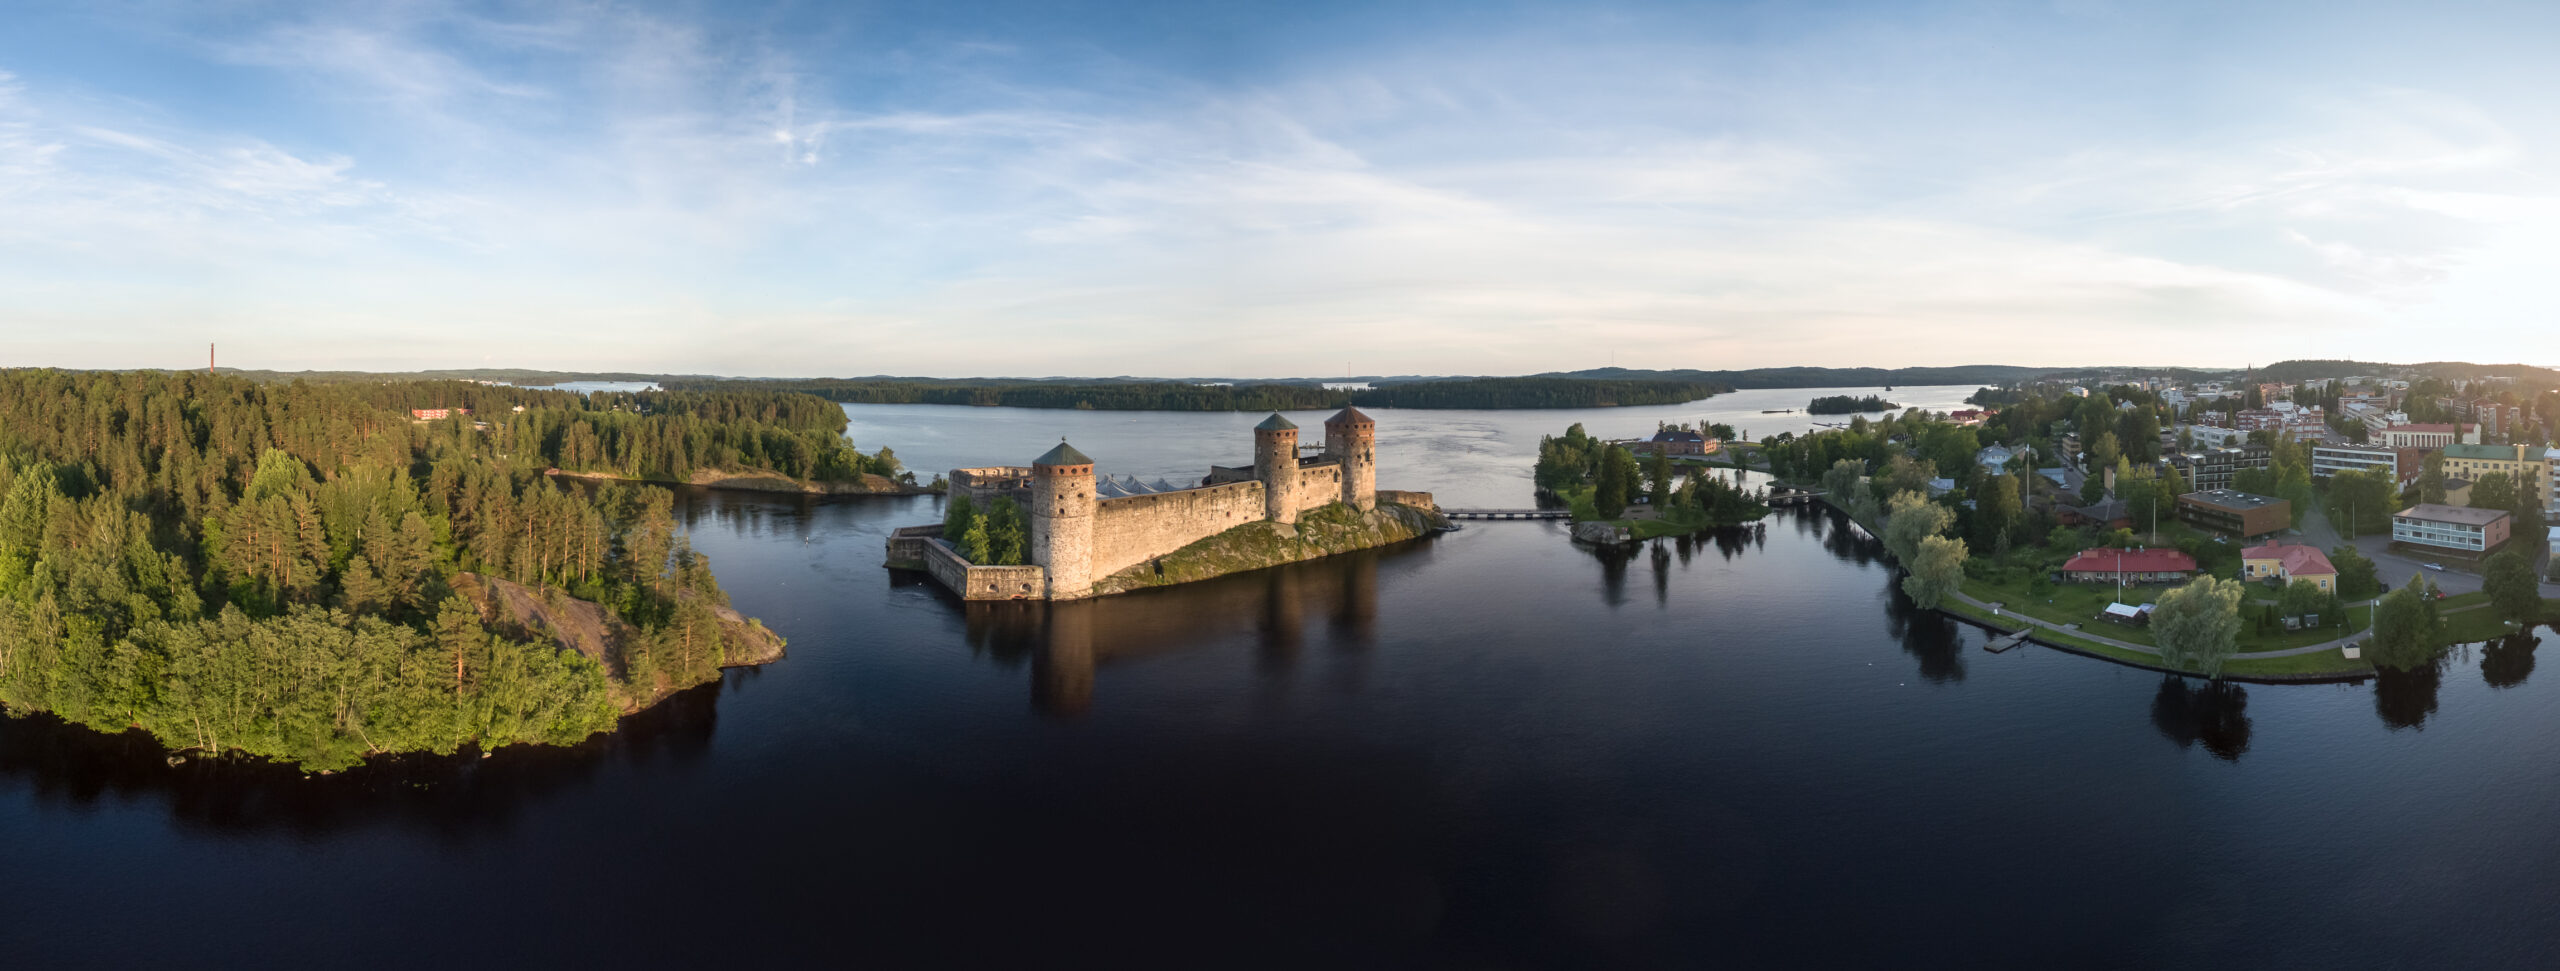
(1084, 531)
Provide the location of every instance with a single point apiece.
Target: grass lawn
(2460, 601)
(2069, 603)
(2474, 625)
(2331, 661)
(2080, 603)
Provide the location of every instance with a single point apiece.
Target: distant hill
(1825, 377)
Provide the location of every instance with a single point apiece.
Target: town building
(1677, 441)
(2110, 514)
(2400, 463)
(2129, 566)
(2555, 544)
(2212, 436)
(2235, 513)
(2496, 420)
(436, 414)
(2454, 530)
(2376, 421)
(1994, 459)
(2528, 466)
(2216, 468)
(2426, 435)
(1968, 416)
(2287, 562)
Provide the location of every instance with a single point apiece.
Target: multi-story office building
(2529, 467)
(2329, 460)
(2430, 436)
(2453, 530)
(2214, 468)
(2235, 513)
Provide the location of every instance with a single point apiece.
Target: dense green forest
(1179, 396)
(1841, 404)
(282, 570)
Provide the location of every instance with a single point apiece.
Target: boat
(1777, 411)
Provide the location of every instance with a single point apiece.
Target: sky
(1261, 190)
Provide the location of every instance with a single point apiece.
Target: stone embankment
(1322, 532)
(595, 630)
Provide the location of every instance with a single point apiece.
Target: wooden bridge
(1507, 513)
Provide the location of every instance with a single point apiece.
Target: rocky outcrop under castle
(1319, 532)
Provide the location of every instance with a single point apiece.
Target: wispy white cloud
(717, 199)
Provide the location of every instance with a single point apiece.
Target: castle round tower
(1062, 511)
(1351, 438)
(1275, 462)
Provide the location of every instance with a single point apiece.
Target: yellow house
(2285, 564)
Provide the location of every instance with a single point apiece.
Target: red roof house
(2133, 566)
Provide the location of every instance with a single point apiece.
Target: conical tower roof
(1350, 416)
(1275, 423)
(1063, 454)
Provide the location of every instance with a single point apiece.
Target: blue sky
(1280, 189)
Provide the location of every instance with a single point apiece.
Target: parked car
(2438, 567)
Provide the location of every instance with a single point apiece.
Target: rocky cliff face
(1322, 532)
(595, 630)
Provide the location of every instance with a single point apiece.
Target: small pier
(1507, 513)
(2005, 642)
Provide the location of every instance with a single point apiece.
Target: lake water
(1485, 749)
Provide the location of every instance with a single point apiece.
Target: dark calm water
(1487, 749)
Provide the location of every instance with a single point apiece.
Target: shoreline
(767, 482)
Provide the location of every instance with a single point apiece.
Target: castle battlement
(1085, 529)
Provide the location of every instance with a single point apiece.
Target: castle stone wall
(1319, 485)
(1418, 500)
(910, 545)
(974, 582)
(983, 485)
(1131, 530)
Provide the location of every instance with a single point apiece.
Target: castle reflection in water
(1276, 610)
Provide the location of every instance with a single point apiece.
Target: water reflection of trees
(1933, 638)
(448, 795)
(2215, 713)
(2507, 661)
(1843, 538)
(1276, 609)
(2404, 699)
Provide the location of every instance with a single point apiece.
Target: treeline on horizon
(277, 569)
(1472, 393)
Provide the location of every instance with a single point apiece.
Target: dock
(2005, 642)
(1507, 513)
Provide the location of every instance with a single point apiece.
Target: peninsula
(321, 574)
(1053, 531)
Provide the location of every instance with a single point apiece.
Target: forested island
(1470, 393)
(308, 573)
(1841, 404)
(1607, 484)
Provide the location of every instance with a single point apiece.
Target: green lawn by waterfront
(2083, 604)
